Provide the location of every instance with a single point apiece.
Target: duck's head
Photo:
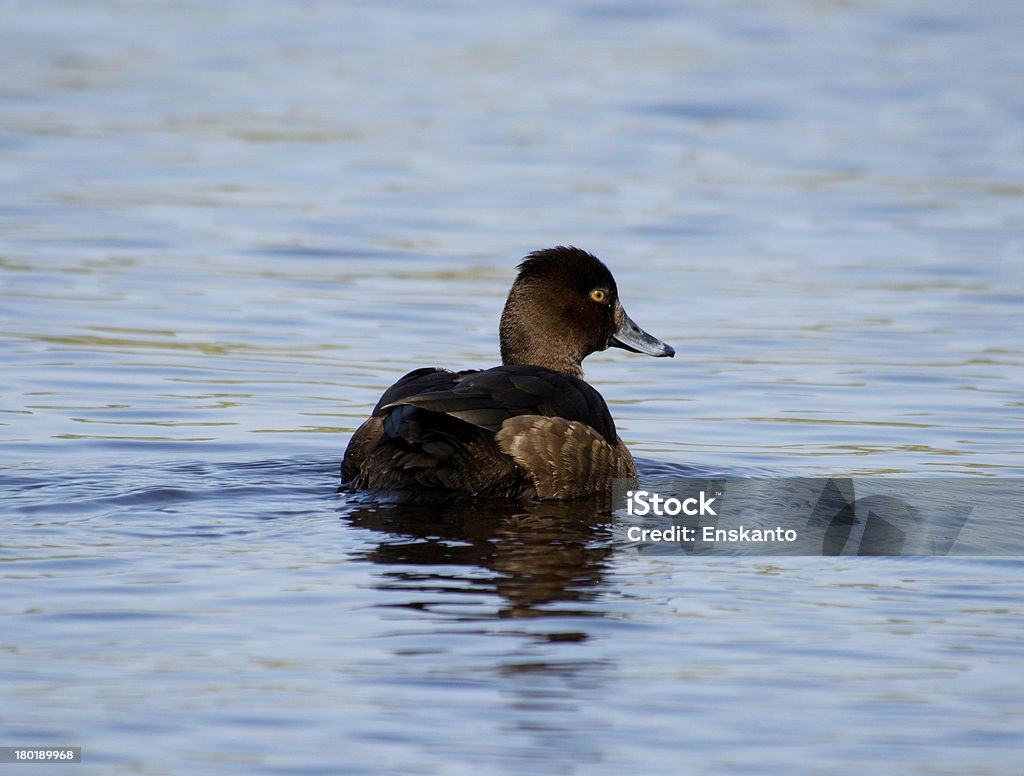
(563, 306)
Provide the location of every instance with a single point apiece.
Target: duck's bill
(631, 337)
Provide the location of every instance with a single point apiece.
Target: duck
(530, 429)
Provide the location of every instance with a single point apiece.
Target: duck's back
(504, 432)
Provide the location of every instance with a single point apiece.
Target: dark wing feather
(372, 432)
(416, 382)
(434, 431)
(489, 398)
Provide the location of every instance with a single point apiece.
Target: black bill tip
(631, 337)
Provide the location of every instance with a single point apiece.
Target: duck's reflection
(539, 559)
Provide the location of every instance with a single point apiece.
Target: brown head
(563, 306)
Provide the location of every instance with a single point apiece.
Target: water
(225, 228)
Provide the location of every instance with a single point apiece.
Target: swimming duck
(531, 428)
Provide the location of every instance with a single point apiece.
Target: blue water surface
(225, 228)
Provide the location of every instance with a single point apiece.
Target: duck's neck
(566, 367)
(523, 343)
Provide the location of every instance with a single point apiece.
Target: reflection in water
(479, 563)
(541, 559)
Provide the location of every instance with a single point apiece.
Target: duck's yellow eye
(597, 295)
